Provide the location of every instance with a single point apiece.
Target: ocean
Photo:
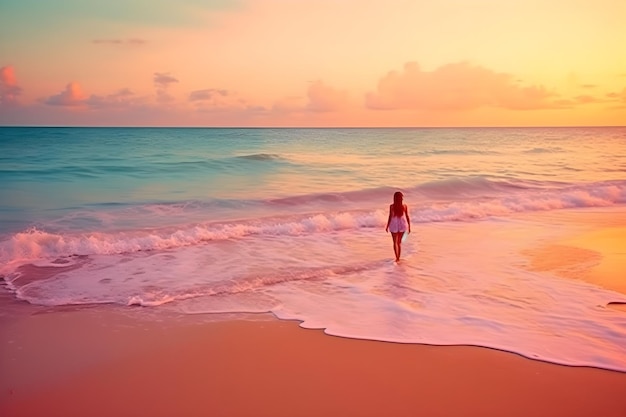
(291, 222)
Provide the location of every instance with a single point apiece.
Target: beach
(274, 208)
(98, 363)
(107, 360)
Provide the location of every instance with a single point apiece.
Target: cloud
(587, 99)
(72, 96)
(9, 90)
(218, 99)
(320, 98)
(455, 87)
(132, 41)
(208, 94)
(122, 98)
(289, 104)
(619, 97)
(323, 98)
(163, 80)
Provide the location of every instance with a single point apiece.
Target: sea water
(292, 222)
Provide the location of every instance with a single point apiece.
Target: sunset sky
(313, 62)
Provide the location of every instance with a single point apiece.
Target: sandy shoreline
(102, 362)
(116, 361)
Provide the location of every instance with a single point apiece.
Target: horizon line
(313, 127)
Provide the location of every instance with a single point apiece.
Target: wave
(435, 152)
(474, 185)
(36, 243)
(544, 150)
(261, 157)
(451, 188)
(445, 189)
(347, 196)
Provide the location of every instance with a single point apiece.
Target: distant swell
(260, 157)
(472, 186)
(544, 150)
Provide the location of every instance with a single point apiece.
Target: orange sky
(313, 63)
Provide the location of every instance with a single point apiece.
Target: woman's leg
(396, 244)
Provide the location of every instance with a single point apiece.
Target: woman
(396, 223)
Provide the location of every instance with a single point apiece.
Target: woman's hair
(398, 207)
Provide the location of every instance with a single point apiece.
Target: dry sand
(94, 362)
(108, 361)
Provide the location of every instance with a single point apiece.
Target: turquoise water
(291, 222)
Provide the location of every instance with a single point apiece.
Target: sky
(313, 63)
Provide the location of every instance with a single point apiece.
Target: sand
(114, 361)
(103, 362)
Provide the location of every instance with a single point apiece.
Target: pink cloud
(163, 80)
(72, 96)
(123, 98)
(456, 87)
(323, 98)
(9, 90)
(320, 98)
(288, 105)
(208, 94)
(219, 100)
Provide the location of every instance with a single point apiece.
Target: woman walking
(396, 224)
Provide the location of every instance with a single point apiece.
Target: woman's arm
(389, 219)
(408, 220)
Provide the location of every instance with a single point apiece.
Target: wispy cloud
(9, 90)
(587, 99)
(123, 98)
(619, 97)
(208, 94)
(162, 81)
(221, 100)
(455, 87)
